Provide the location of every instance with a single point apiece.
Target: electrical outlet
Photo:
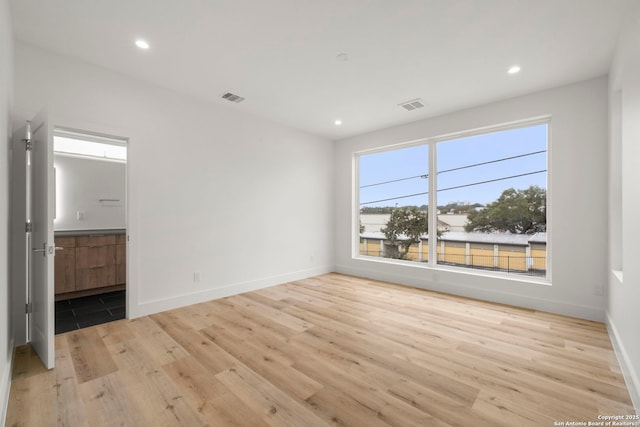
(598, 290)
(196, 276)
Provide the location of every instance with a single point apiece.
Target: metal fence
(526, 265)
(513, 264)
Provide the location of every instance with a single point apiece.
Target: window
(84, 145)
(488, 209)
(394, 187)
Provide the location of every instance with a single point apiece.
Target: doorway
(90, 229)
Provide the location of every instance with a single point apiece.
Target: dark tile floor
(88, 311)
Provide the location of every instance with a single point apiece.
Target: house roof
(453, 220)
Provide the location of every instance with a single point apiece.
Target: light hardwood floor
(329, 350)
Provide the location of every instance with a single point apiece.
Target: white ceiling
(281, 54)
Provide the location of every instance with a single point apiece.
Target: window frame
(82, 136)
(432, 143)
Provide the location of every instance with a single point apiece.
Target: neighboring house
(374, 223)
(446, 222)
(500, 251)
(452, 222)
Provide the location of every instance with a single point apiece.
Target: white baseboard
(164, 304)
(518, 300)
(5, 385)
(628, 372)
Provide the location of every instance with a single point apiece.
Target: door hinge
(28, 227)
(28, 141)
(28, 308)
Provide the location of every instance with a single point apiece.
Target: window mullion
(433, 205)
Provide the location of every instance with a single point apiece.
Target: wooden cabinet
(121, 259)
(90, 264)
(65, 265)
(95, 262)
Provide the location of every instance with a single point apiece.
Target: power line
(424, 176)
(493, 161)
(394, 198)
(491, 180)
(453, 188)
(395, 180)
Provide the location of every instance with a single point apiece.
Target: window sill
(458, 270)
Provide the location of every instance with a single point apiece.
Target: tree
(515, 211)
(458, 207)
(376, 210)
(404, 228)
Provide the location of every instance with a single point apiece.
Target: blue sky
(413, 162)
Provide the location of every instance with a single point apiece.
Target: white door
(42, 244)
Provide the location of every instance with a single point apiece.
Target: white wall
(577, 199)
(80, 184)
(243, 201)
(6, 335)
(623, 308)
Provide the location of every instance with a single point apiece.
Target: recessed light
(515, 69)
(142, 44)
(337, 122)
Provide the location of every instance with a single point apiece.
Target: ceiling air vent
(412, 105)
(232, 97)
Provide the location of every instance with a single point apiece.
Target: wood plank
(253, 321)
(273, 313)
(114, 401)
(116, 332)
(26, 363)
(366, 396)
(272, 404)
(327, 350)
(262, 362)
(33, 391)
(162, 349)
(214, 401)
(507, 381)
(447, 410)
(197, 345)
(90, 357)
(35, 399)
(340, 408)
(71, 411)
(163, 398)
(377, 367)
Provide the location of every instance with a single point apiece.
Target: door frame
(19, 264)
(101, 130)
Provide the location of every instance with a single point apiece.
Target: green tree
(458, 207)
(404, 228)
(515, 211)
(376, 210)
